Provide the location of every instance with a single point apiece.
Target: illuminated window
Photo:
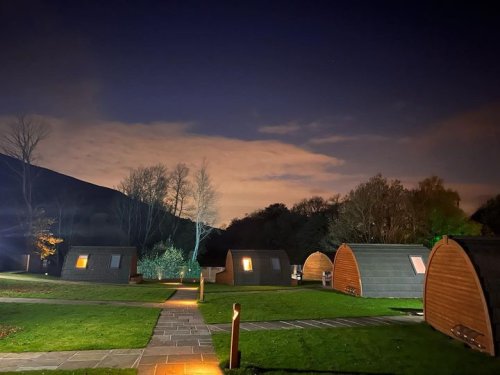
(276, 264)
(115, 261)
(247, 264)
(418, 264)
(82, 261)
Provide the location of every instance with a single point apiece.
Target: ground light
(235, 355)
(202, 288)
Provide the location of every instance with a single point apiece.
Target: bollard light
(235, 355)
(202, 288)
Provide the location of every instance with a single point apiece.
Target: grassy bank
(32, 327)
(412, 349)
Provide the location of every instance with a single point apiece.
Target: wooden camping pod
(380, 270)
(462, 291)
(315, 265)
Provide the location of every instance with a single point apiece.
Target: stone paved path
(318, 323)
(181, 342)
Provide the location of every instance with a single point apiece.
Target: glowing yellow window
(247, 264)
(82, 260)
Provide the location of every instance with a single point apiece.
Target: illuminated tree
(44, 241)
(204, 213)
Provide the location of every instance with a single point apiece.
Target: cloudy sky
(286, 99)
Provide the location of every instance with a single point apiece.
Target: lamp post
(235, 355)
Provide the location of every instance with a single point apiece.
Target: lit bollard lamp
(235, 354)
(202, 288)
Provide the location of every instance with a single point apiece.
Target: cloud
(280, 129)
(248, 174)
(347, 138)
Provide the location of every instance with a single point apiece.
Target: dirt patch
(24, 290)
(6, 330)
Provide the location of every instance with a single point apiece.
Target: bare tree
(20, 141)
(179, 194)
(147, 189)
(204, 212)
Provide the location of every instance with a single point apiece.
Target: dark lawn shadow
(263, 370)
(408, 310)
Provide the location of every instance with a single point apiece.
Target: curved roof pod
(380, 270)
(462, 291)
(315, 265)
(256, 267)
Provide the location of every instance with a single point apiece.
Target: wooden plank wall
(315, 265)
(346, 276)
(453, 295)
(226, 276)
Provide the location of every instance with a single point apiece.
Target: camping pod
(462, 291)
(315, 265)
(380, 270)
(106, 264)
(256, 267)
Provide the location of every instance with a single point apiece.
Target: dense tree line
(376, 211)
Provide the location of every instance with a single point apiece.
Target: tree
(436, 211)
(204, 212)
(21, 141)
(147, 189)
(489, 215)
(44, 240)
(179, 193)
(374, 212)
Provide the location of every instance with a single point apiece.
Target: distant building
(462, 291)
(106, 264)
(256, 267)
(380, 270)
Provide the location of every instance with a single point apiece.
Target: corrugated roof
(387, 271)
(484, 253)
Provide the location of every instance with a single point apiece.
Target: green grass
(69, 327)
(296, 303)
(86, 371)
(222, 288)
(411, 349)
(39, 286)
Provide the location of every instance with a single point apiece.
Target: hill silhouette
(85, 214)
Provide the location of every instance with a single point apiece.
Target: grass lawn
(295, 303)
(411, 349)
(85, 371)
(32, 327)
(31, 286)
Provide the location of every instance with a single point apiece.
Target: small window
(276, 264)
(247, 264)
(418, 264)
(115, 261)
(82, 261)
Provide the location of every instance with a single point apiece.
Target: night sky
(286, 99)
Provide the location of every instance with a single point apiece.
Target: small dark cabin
(105, 264)
(256, 267)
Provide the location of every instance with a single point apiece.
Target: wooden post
(234, 355)
(202, 288)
